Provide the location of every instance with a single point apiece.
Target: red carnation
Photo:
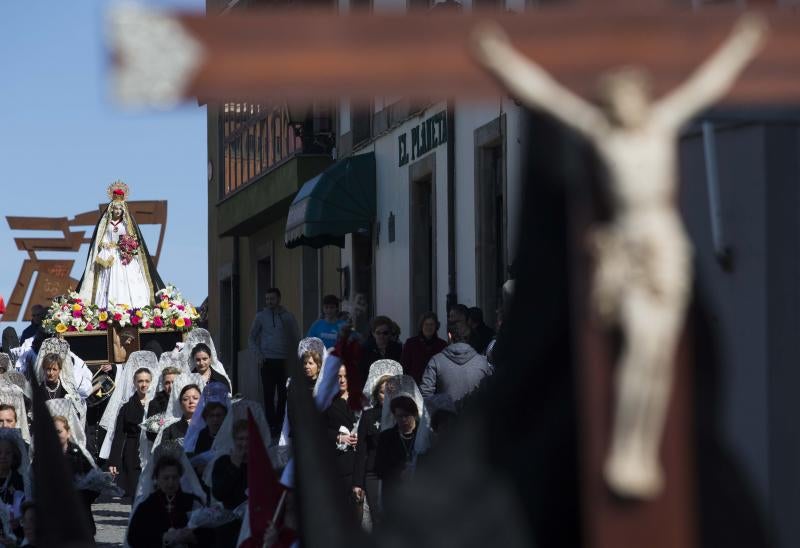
(188, 322)
(89, 327)
(158, 322)
(103, 326)
(118, 192)
(134, 320)
(117, 316)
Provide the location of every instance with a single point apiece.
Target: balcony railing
(254, 139)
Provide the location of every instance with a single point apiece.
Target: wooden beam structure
(302, 55)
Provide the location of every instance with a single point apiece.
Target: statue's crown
(118, 191)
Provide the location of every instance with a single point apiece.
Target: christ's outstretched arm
(714, 78)
(529, 83)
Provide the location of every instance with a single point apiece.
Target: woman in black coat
(365, 480)
(396, 457)
(340, 417)
(123, 461)
(78, 465)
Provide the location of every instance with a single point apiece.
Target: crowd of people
(383, 400)
(174, 441)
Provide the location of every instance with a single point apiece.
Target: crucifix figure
(642, 258)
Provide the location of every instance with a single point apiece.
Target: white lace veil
(223, 442)
(378, 369)
(403, 386)
(174, 412)
(64, 408)
(16, 378)
(173, 359)
(11, 394)
(213, 392)
(123, 392)
(189, 480)
(196, 336)
(24, 468)
(67, 376)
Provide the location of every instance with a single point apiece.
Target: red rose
(71, 328)
(117, 316)
(134, 320)
(158, 322)
(89, 327)
(188, 322)
(118, 192)
(103, 326)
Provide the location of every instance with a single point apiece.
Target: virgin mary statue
(119, 269)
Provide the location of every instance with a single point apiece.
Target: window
(254, 139)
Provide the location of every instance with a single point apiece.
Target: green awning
(338, 201)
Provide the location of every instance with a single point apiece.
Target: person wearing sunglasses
(380, 345)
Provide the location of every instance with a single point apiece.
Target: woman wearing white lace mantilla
(405, 434)
(53, 370)
(119, 269)
(183, 399)
(200, 356)
(123, 417)
(168, 492)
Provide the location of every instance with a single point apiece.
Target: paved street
(111, 518)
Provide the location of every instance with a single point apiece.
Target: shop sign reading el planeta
(425, 137)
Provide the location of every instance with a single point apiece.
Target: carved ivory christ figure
(642, 258)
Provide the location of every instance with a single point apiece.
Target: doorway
(490, 211)
(422, 238)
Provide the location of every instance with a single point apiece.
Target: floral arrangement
(128, 247)
(211, 516)
(154, 423)
(70, 313)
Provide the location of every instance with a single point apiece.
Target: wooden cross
(163, 59)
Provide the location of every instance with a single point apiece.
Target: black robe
(125, 446)
(369, 430)
(216, 377)
(78, 466)
(60, 393)
(229, 486)
(151, 520)
(204, 441)
(176, 431)
(340, 414)
(156, 406)
(229, 482)
(391, 459)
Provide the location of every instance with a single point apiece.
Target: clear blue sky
(63, 139)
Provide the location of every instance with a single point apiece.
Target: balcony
(255, 138)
